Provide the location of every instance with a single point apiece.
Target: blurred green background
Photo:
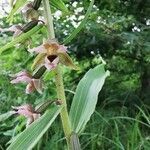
(119, 32)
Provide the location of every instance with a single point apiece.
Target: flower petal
(29, 121)
(30, 88)
(39, 49)
(62, 48)
(51, 64)
(22, 73)
(21, 79)
(14, 28)
(36, 116)
(17, 29)
(24, 112)
(24, 107)
(37, 85)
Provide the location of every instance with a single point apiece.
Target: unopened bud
(30, 13)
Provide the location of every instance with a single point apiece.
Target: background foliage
(117, 30)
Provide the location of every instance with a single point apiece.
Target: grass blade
(6, 115)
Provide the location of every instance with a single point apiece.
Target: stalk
(58, 76)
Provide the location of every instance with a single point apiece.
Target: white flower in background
(57, 14)
(78, 10)
(81, 17)
(74, 4)
(148, 22)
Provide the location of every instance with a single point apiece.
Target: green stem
(49, 19)
(58, 76)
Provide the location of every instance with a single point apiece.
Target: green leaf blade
(5, 116)
(59, 4)
(16, 7)
(85, 99)
(30, 136)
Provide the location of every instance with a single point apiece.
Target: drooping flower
(16, 29)
(28, 112)
(34, 113)
(50, 54)
(32, 84)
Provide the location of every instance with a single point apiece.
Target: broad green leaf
(5, 116)
(20, 38)
(85, 99)
(59, 4)
(78, 29)
(31, 135)
(16, 7)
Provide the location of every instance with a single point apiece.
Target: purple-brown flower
(16, 29)
(50, 54)
(32, 84)
(28, 112)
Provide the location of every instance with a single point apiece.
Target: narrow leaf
(78, 29)
(85, 99)
(5, 116)
(20, 38)
(16, 7)
(31, 135)
(59, 4)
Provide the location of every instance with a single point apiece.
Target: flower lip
(51, 57)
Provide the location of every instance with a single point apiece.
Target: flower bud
(29, 12)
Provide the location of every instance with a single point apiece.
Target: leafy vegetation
(118, 31)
